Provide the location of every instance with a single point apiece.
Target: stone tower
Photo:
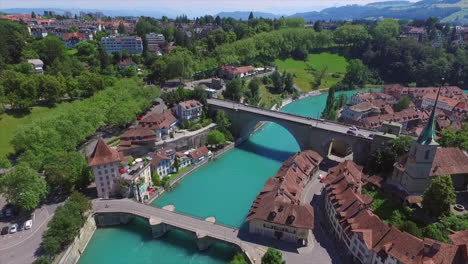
(411, 173)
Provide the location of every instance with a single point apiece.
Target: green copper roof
(428, 134)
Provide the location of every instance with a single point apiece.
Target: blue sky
(190, 7)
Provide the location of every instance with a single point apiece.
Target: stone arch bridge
(310, 133)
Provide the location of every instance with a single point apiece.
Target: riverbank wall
(77, 247)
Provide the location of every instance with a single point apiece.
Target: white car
(353, 128)
(28, 224)
(13, 228)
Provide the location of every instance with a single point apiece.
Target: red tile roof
(159, 121)
(68, 36)
(399, 117)
(449, 161)
(343, 189)
(126, 62)
(190, 104)
(279, 200)
(199, 152)
(103, 154)
(448, 101)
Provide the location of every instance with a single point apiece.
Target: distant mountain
(458, 9)
(244, 15)
(110, 12)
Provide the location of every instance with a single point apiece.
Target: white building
(154, 41)
(105, 163)
(188, 110)
(37, 65)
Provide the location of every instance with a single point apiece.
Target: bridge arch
(249, 126)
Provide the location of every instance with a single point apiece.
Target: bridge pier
(158, 228)
(111, 219)
(204, 242)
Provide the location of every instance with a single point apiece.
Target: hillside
(448, 10)
(244, 15)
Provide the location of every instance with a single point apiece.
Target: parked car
(352, 128)
(20, 226)
(323, 179)
(13, 228)
(8, 212)
(28, 224)
(350, 132)
(5, 230)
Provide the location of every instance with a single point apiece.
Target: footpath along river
(224, 188)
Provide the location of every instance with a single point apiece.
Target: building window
(105, 171)
(99, 172)
(426, 156)
(108, 183)
(107, 177)
(102, 189)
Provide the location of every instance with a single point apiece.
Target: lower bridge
(115, 212)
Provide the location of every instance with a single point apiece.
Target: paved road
(322, 124)
(20, 248)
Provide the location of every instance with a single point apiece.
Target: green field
(9, 123)
(333, 62)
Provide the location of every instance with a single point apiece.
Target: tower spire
(428, 133)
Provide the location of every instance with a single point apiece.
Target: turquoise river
(224, 188)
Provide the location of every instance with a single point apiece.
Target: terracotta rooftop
(382, 239)
(237, 70)
(199, 152)
(159, 121)
(442, 99)
(279, 200)
(68, 36)
(399, 117)
(449, 161)
(190, 104)
(103, 154)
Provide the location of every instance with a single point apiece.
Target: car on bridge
(351, 132)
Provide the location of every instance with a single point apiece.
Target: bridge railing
(292, 115)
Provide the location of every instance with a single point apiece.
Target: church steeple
(428, 133)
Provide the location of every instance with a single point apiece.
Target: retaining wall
(77, 247)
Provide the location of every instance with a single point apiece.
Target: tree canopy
(439, 196)
(273, 256)
(23, 187)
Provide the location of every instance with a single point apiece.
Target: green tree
(18, 90)
(23, 187)
(67, 170)
(351, 34)
(234, 90)
(402, 104)
(156, 179)
(411, 227)
(238, 259)
(357, 75)
(329, 113)
(33, 15)
(4, 162)
(451, 138)
(434, 231)
(51, 88)
(382, 160)
(121, 29)
(253, 97)
(251, 15)
(277, 81)
(288, 82)
(387, 29)
(176, 163)
(215, 137)
(439, 196)
(43, 260)
(49, 49)
(224, 124)
(318, 26)
(273, 256)
(81, 200)
(74, 29)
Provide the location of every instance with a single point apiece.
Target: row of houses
(366, 238)
(277, 211)
(158, 126)
(115, 176)
(459, 35)
(371, 109)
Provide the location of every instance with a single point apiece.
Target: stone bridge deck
(162, 220)
(318, 123)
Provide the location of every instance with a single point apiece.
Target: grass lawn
(333, 62)
(9, 123)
